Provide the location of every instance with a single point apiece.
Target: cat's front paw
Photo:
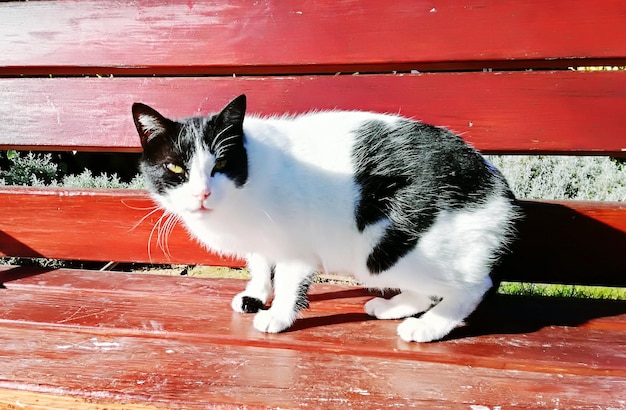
(244, 303)
(268, 321)
(423, 330)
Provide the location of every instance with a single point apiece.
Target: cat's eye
(176, 169)
(220, 164)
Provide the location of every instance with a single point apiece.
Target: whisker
(221, 149)
(268, 215)
(136, 208)
(218, 136)
(232, 137)
(156, 227)
(164, 233)
(143, 219)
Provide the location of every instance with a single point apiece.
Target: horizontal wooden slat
(78, 37)
(562, 242)
(105, 225)
(569, 242)
(539, 112)
(107, 337)
(197, 375)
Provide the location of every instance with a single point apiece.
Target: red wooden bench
(69, 72)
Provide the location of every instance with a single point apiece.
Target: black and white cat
(397, 203)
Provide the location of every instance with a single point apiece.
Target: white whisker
(268, 215)
(143, 219)
(221, 149)
(136, 208)
(218, 136)
(154, 227)
(163, 228)
(232, 137)
(164, 234)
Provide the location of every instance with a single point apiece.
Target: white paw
(379, 308)
(398, 307)
(269, 322)
(420, 330)
(245, 303)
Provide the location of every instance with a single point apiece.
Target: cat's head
(192, 165)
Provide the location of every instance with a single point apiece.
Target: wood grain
(277, 36)
(515, 112)
(20, 399)
(119, 338)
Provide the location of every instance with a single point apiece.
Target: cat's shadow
(497, 315)
(508, 314)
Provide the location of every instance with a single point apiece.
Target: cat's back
(325, 139)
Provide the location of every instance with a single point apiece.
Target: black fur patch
(302, 301)
(251, 305)
(408, 173)
(393, 245)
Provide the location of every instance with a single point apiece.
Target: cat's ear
(232, 115)
(149, 123)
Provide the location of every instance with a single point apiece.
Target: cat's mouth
(203, 209)
(199, 210)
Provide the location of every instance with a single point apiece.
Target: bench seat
(129, 339)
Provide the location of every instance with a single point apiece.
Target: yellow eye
(219, 165)
(176, 169)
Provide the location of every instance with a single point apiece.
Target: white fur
(296, 211)
(151, 125)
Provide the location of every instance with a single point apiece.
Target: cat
(397, 203)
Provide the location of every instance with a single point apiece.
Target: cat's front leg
(259, 287)
(291, 283)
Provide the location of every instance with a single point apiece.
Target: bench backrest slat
(94, 37)
(118, 225)
(97, 225)
(539, 112)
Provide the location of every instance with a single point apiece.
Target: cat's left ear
(232, 115)
(149, 123)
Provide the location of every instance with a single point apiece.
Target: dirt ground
(231, 273)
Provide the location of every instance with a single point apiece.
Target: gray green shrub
(39, 170)
(564, 177)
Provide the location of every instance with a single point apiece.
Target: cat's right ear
(149, 123)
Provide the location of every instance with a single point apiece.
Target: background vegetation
(531, 177)
(70, 170)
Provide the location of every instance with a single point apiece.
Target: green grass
(570, 291)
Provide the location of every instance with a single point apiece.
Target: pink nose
(202, 195)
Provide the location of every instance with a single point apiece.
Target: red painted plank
(98, 225)
(137, 346)
(197, 374)
(559, 241)
(539, 112)
(569, 242)
(216, 37)
(324, 299)
(324, 327)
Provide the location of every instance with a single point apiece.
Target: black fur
(408, 173)
(251, 305)
(302, 301)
